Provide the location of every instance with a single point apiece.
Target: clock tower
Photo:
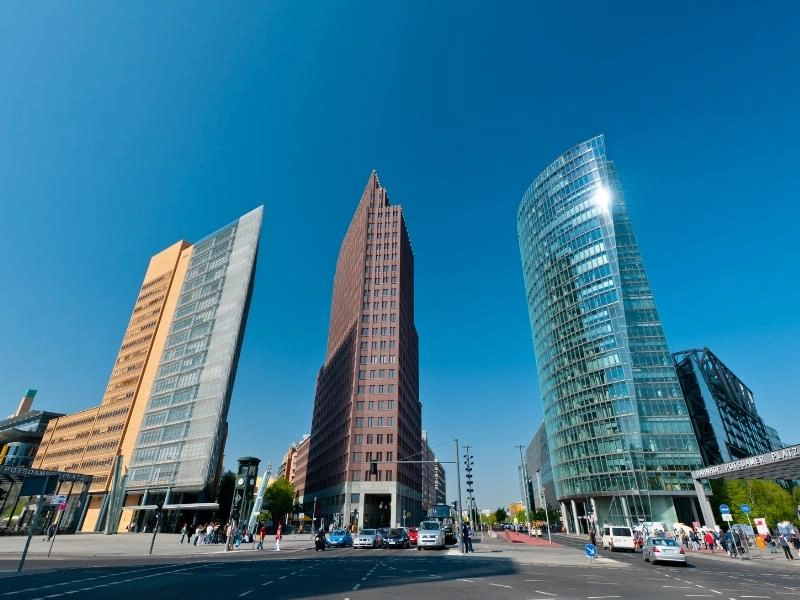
(242, 502)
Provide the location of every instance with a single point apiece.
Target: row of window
(380, 280)
(375, 358)
(356, 476)
(375, 389)
(376, 404)
(383, 345)
(377, 374)
(374, 422)
(379, 269)
(378, 292)
(372, 456)
(376, 318)
(378, 305)
(379, 331)
(372, 438)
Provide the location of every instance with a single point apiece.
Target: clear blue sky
(125, 128)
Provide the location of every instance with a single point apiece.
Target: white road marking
(606, 583)
(268, 582)
(466, 580)
(604, 596)
(545, 593)
(356, 586)
(245, 593)
(501, 585)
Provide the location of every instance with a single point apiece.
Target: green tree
(279, 499)
(225, 494)
(500, 515)
(766, 499)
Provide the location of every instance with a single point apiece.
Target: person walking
(709, 539)
(593, 537)
(278, 536)
(261, 532)
(198, 532)
(229, 536)
(185, 533)
(467, 538)
(785, 545)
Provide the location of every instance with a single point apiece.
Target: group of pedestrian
(231, 535)
(735, 543)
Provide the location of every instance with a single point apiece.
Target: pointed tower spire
(374, 195)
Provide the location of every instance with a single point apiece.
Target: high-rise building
(722, 409)
(540, 471)
(167, 399)
(428, 474)
(620, 437)
(366, 407)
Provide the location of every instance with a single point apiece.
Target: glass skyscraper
(180, 441)
(618, 430)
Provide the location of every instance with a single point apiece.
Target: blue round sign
(590, 550)
(724, 508)
(745, 508)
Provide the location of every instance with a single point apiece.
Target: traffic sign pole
(61, 509)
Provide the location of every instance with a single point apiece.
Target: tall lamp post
(468, 464)
(524, 474)
(313, 518)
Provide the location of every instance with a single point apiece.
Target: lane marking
(267, 583)
(466, 580)
(604, 596)
(545, 593)
(501, 585)
(245, 593)
(356, 586)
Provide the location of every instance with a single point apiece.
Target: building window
(379, 438)
(359, 439)
(389, 438)
(356, 477)
(356, 457)
(369, 438)
(360, 405)
(359, 421)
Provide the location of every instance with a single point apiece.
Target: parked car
(430, 535)
(618, 537)
(396, 538)
(368, 538)
(340, 537)
(412, 535)
(658, 549)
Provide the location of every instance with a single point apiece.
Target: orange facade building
(90, 440)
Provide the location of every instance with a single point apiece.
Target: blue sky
(127, 127)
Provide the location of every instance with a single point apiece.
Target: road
(499, 570)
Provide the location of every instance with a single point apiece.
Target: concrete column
(693, 506)
(393, 516)
(624, 501)
(575, 516)
(595, 516)
(564, 519)
(705, 506)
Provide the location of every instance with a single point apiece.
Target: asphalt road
(343, 574)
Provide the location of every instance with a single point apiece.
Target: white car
(660, 549)
(368, 538)
(430, 535)
(618, 537)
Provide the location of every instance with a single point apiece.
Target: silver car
(430, 535)
(368, 538)
(659, 549)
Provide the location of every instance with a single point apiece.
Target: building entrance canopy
(778, 464)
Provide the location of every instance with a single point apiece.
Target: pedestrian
(185, 533)
(51, 531)
(709, 539)
(465, 536)
(278, 536)
(198, 532)
(785, 545)
(238, 534)
(770, 543)
(229, 530)
(262, 530)
(593, 537)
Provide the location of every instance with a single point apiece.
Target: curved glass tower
(618, 430)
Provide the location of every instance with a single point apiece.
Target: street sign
(724, 508)
(727, 517)
(58, 500)
(590, 550)
(745, 508)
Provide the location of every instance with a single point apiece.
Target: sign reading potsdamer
(751, 463)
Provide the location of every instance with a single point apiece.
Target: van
(618, 537)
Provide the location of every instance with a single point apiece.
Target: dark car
(396, 538)
(413, 532)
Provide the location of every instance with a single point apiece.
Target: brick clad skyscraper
(367, 400)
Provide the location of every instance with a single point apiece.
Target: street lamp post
(313, 517)
(544, 504)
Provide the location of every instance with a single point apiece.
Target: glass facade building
(722, 408)
(180, 441)
(618, 429)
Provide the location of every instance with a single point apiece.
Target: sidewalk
(97, 545)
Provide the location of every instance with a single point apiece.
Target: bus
(447, 517)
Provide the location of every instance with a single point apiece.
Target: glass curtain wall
(616, 421)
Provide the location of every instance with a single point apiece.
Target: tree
(279, 499)
(500, 515)
(766, 498)
(225, 494)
